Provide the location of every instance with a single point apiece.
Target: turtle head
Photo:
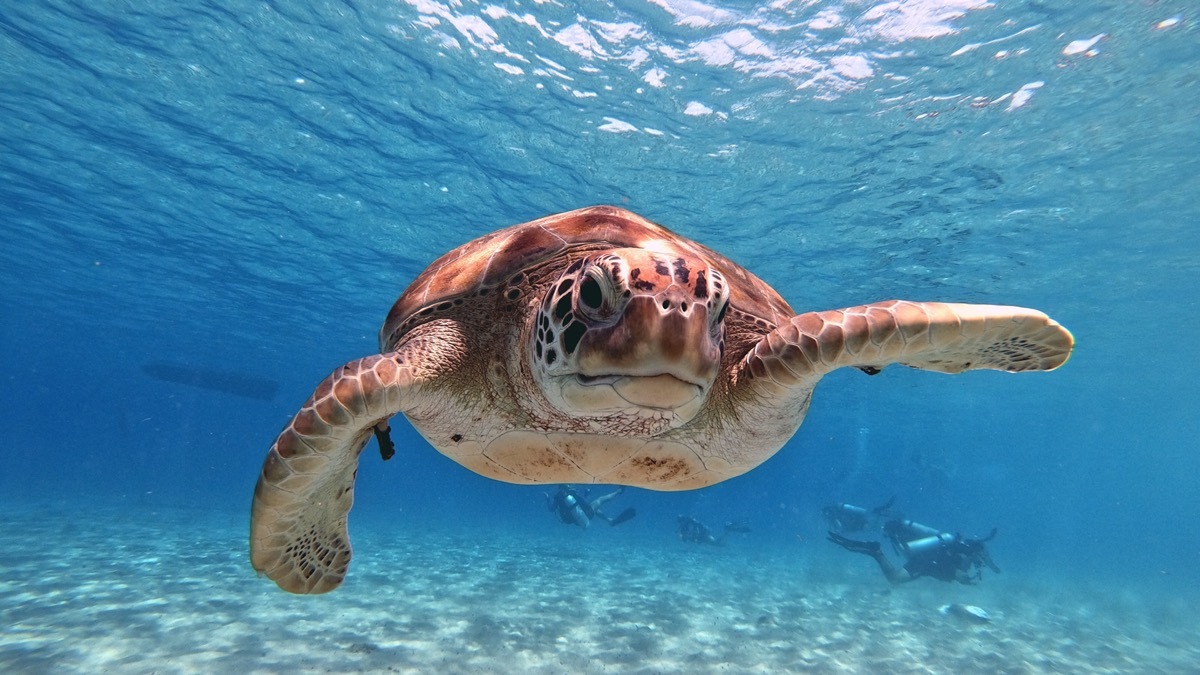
(631, 331)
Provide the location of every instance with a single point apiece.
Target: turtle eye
(598, 295)
(717, 327)
(590, 294)
(594, 291)
(720, 301)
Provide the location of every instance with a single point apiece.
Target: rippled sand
(172, 592)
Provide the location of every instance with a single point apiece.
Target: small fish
(968, 612)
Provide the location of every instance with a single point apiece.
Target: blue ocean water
(247, 186)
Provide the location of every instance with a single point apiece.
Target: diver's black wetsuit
(942, 556)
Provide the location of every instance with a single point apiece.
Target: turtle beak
(664, 334)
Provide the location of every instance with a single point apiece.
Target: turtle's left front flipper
(946, 337)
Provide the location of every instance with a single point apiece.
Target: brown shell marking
(487, 262)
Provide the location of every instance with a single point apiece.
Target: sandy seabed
(166, 591)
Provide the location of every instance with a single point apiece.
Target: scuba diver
(574, 509)
(696, 532)
(845, 517)
(927, 552)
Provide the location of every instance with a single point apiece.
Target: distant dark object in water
(363, 648)
(228, 381)
(696, 532)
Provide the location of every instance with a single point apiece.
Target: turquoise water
(237, 186)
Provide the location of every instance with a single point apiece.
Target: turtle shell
(488, 262)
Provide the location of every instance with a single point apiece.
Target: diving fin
(625, 515)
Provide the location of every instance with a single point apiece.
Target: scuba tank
(852, 509)
(910, 530)
(916, 546)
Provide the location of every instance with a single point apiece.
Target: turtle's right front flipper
(298, 533)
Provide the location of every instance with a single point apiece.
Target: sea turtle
(595, 346)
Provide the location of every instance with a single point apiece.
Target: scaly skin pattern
(940, 336)
(596, 347)
(298, 533)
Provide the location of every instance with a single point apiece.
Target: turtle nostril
(666, 304)
(683, 307)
